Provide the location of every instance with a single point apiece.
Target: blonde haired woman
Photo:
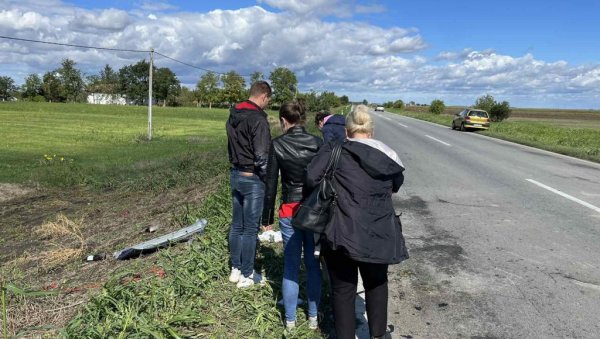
(364, 234)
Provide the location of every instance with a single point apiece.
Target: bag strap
(333, 160)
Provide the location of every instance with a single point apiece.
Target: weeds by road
(582, 143)
(88, 171)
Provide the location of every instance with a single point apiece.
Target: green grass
(193, 299)
(104, 146)
(582, 143)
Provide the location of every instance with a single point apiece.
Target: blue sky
(531, 53)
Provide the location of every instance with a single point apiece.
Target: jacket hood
(242, 111)
(336, 119)
(375, 162)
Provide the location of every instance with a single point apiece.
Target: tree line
(498, 111)
(68, 84)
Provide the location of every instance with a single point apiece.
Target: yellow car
(471, 119)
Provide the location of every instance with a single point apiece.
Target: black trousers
(343, 274)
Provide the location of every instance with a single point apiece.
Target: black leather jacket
(290, 153)
(248, 138)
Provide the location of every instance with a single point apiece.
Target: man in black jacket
(249, 140)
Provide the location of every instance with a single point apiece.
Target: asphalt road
(504, 239)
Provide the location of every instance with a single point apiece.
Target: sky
(530, 53)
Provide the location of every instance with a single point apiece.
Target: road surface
(504, 239)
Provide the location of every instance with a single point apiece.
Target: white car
(379, 109)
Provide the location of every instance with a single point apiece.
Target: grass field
(84, 180)
(570, 132)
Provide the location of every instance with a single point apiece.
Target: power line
(196, 67)
(115, 49)
(72, 45)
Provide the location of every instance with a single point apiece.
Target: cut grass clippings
(192, 298)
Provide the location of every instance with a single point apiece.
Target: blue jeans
(247, 195)
(294, 240)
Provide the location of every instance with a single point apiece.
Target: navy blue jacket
(334, 129)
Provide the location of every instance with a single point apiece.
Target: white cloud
(355, 58)
(109, 20)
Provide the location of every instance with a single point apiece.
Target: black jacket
(248, 138)
(290, 153)
(334, 129)
(364, 225)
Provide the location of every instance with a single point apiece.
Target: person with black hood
(333, 126)
(364, 235)
(248, 143)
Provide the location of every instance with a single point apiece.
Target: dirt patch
(106, 222)
(12, 191)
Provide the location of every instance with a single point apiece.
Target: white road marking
(565, 195)
(438, 140)
(403, 125)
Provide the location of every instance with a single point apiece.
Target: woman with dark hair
(331, 125)
(290, 154)
(364, 234)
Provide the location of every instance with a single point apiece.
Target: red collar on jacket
(248, 105)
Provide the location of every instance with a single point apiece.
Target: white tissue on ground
(270, 236)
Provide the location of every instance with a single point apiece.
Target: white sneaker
(313, 323)
(290, 325)
(254, 278)
(235, 275)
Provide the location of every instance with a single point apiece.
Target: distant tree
(233, 87)
(166, 86)
(256, 76)
(398, 104)
(365, 102)
(71, 80)
(208, 88)
(133, 82)
(32, 88)
(500, 111)
(187, 97)
(344, 100)
(7, 88)
(284, 84)
(485, 102)
(437, 106)
(311, 101)
(52, 88)
(328, 101)
(107, 81)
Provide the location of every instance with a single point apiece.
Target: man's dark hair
(319, 117)
(260, 87)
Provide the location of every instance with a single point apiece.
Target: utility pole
(150, 94)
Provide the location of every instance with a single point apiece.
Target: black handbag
(316, 210)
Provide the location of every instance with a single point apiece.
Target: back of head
(319, 117)
(293, 112)
(359, 121)
(259, 88)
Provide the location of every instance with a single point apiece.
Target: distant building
(107, 99)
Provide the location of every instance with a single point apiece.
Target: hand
(266, 228)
